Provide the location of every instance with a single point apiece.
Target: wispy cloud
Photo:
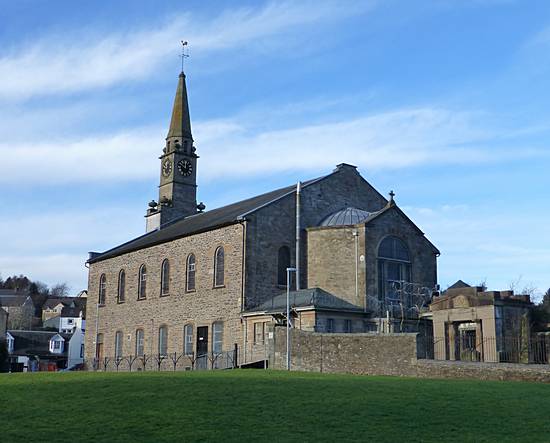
(78, 61)
(390, 140)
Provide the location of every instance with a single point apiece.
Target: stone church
(206, 282)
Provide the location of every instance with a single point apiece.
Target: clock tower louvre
(178, 167)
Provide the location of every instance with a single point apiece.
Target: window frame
(119, 344)
(140, 342)
(142, 282)
(102, 293)
(259, 331)
(189, 272)
(390, 263)
(163, 344)
(330, 325)
(219, 260)
(217, 345)
(165, 278)
(121, 290)
(188, 346)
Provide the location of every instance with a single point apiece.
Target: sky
(446, 102)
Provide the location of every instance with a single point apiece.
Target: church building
(206, 282)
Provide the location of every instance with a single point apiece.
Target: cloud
(74, 61)
(391, 140)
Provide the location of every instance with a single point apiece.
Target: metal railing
(527, 350)
(167, 362)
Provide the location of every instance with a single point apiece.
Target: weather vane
(183, 54)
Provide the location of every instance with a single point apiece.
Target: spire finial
(183, 55)
(392, 195)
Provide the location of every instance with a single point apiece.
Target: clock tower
(178, 168)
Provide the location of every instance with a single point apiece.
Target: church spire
(180, 125)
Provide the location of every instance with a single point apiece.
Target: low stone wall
(391, 354)
(482, 371)
(388, 354)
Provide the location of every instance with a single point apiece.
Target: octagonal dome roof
(347, 216)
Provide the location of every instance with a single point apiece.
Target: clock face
(166, 167)
(185, 167)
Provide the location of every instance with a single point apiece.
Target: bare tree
(60, 290)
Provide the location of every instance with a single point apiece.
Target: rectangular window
(330, 325)
(139, 343)
(217, 332)
(163, 340)
(118, 344)
(82, 350)
(347, 326)
(188, 344)
(259, 333)
(70, 321)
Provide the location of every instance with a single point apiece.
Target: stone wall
(372, 354)
(201, 307)
(388, 354)
(274, 226)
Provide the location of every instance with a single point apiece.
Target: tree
(59, 290)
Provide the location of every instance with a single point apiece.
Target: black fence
(167, 362)
(527, 350)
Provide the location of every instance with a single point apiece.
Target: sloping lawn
(258, 405)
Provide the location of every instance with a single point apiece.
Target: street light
(288, 271)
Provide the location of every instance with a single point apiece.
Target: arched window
(163, 340)
(102, 289)
(283, 262)
(190, 271)
(217, 337)
(121, 295)
(188, 339)
(394, 269)
(219, 264)
(142, 283)
(118, 344)
(140, 336)
(165, 278)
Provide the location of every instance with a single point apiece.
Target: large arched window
(102, 289)
(283, 262)
(163, 340)
(190, 273)
(219, 267)
(118, 344)
(140, 337)
(394, 269)
(188, 339)
(165, 278)
(142, 283)
(121, 295)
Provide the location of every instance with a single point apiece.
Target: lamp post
(288, 271)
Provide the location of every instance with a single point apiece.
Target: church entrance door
(202, 347)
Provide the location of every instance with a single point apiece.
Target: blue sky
(445, 101)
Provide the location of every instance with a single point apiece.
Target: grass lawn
(267, 405)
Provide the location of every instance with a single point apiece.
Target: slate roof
(316, 298)
(459, 285)
(36, 342)
(14, 300)
(201, 222)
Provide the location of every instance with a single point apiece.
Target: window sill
(101, 305)
(190, 291)
(218, 287)
(120, 302)
(142, 298)
(165, 295)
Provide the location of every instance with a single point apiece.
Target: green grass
(258, 405)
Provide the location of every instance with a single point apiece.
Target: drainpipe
(356, 238)
(298, 196)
